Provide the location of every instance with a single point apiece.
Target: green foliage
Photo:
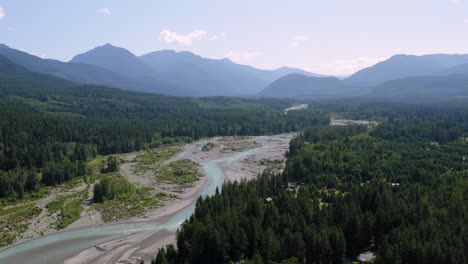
(54, 173)
(403, 197)
(53, 127)
(16, 182)
(111, 164)
(181, 172)
(56, 205)
(68, 208)
(70, 212)
(158, 141)
(118, 199)
(14, 221)
(208, 146)
(152, 159)
(111, 187)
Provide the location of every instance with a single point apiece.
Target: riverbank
(225, 152)
(139, 237)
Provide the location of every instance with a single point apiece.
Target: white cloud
(299, 38)
(2, 12)
(297, 41)
(104, 11)
(294, 44)
(221, 35)
(172, 37)
(242, 57)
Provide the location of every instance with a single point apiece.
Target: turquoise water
(59, 246)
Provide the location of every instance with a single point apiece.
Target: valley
(230, 159)
(233, 132)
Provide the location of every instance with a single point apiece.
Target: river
(58, 247)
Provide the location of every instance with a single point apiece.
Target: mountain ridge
(402, 65)
(174, 73)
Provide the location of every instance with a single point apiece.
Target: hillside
(76, 72)
(165, 72)
(211, 76)
(116, 59)
(302, 86)
(402, 66)
(427, 89)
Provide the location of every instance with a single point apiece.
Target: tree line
(51, 131)
(403, 197)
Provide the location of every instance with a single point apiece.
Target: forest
(399, 190)
(50, 127)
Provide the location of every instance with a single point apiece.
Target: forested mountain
(399, 190)
(302, 86)
(184, 73)
(211, 76)
(52, 126)
(206, 76)
(401, 66)
(425, 89)
(405, 78)
(166, 72)
(187, 74)
(461, 69)
(76, 72)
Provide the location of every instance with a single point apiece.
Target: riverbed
(137, 240)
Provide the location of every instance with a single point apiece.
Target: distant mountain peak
(116, 59)
(107, 48)
(403, 65)
(227, 60)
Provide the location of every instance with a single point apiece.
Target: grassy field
(131, 202)
(69, 208)
(41, 192)
(123, 200)
(152, 159)
(182, 172)
(274, 164)
(14, 221)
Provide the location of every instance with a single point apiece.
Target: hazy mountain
(17, 80)
(167, 72)
(302, 86)
(424, 89)
(210, 76)
(401, 66)
(116, 59)
(206, 76)
(76, 72)
(461, 69)
(272, 75)
(87, 73)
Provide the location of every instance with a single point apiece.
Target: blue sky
(324, 36)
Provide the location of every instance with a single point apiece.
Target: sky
(335, 37)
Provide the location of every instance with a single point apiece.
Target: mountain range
(402, 77)
(166, 72)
